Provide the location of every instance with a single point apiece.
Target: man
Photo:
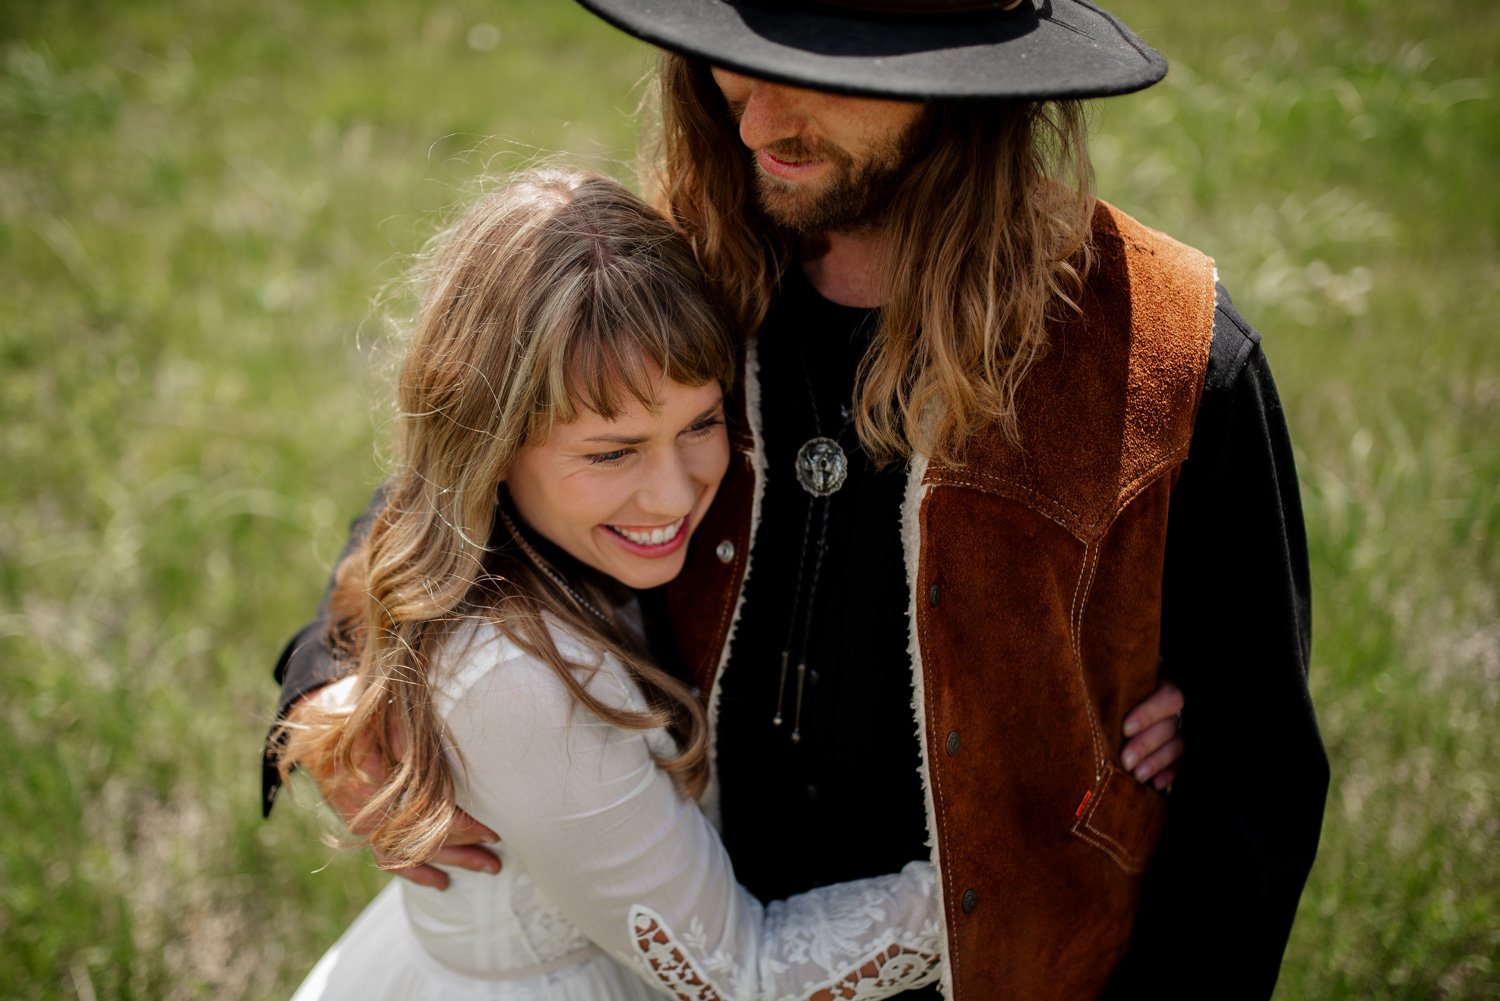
(974, 404)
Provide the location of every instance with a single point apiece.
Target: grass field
(199, 200)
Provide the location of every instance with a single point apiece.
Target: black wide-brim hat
(913, 49)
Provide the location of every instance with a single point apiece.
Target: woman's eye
(608, 458)
(703, 427)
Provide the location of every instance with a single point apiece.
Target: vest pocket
(1123, 819)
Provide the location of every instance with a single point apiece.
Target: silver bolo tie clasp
(822, 466)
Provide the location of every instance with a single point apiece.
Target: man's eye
(707, 425)
(608, 458)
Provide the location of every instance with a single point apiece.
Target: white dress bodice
(607, 868)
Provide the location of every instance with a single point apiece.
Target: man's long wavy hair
(563, 291)
(988, 243)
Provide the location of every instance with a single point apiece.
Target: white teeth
(655, 537)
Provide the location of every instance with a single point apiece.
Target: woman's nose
(670, 489)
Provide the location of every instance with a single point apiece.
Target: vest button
(970, 901)
(932, 595)
(953, 743)
(725, 551)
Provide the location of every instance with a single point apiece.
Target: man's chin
(790, 214)
(798, 210)
(844, 204)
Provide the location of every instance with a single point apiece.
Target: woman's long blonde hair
(561, 291)
(988, 242)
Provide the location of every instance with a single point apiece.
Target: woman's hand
(1154, 746)
(348, 793)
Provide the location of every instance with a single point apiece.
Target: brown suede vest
(1035, 577)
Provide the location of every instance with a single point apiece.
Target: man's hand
(1155, 743)
(460, 849)
(347, 794)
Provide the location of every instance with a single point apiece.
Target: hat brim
(1044, 49)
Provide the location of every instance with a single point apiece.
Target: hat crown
(918, 6)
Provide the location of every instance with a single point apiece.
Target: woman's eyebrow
(707, 413)
(610, 439)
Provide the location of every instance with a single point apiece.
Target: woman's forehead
(671, 404)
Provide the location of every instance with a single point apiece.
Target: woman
(560, 435)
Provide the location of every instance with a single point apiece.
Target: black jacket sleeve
(1246, 809)
(307, 661)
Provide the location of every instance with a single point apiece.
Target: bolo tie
(822, 467)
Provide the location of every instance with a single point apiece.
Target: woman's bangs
(669, 334)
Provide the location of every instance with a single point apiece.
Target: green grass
(198, 202)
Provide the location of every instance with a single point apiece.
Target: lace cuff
(885, 971)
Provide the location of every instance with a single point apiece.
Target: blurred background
(200, 201)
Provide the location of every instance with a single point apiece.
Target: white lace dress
(612, 886)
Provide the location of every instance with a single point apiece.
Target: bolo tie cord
(807, 617)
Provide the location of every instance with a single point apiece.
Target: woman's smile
(653, 541)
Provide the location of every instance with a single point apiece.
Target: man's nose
(771, 112)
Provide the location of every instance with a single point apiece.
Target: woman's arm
(605, 835)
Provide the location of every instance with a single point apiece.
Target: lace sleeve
(827, 938)
(605, 836)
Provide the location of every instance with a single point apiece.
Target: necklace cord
(551, 572)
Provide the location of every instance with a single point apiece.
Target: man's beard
(857, 195)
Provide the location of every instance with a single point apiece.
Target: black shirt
(845, 801)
